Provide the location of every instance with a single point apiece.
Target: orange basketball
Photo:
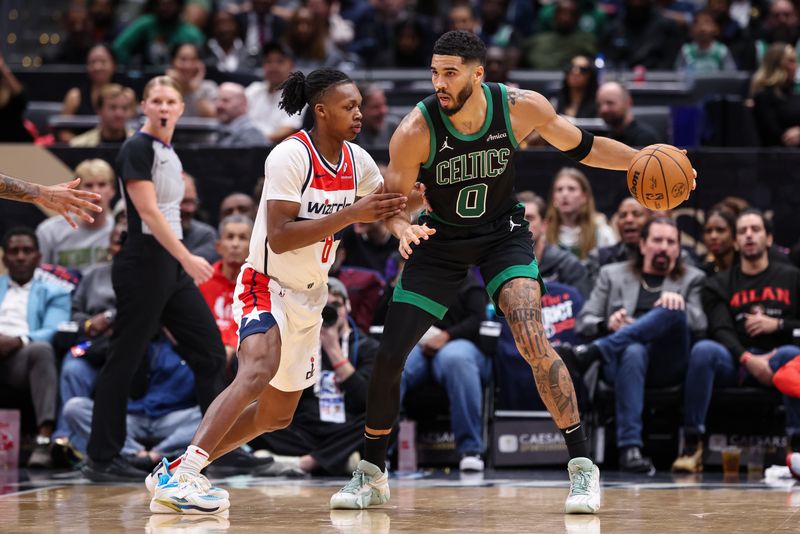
(660, 177)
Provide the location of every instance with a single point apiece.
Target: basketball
(660, 177)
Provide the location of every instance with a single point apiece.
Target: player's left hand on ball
(413, 234)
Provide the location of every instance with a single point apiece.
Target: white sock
(193, 461)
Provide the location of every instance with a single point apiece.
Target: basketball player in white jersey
(313, 184)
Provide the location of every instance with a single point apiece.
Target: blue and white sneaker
(162, 470)
(184, 494)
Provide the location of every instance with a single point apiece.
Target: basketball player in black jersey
(459, 143)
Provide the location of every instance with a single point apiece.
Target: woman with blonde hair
(154, 277)
(573, 222)
(776, 107)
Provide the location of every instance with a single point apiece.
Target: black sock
(691, 440)
(375, 449)
(577, 442)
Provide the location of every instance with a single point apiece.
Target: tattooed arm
(531, 111)
(62, 198)
(520, 300)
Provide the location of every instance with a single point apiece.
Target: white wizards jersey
(296, 172)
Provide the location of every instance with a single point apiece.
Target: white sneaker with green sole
(584, 487)
(368, 487)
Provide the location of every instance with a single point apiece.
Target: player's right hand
(413, 234)
(198, 268)
(378, 206)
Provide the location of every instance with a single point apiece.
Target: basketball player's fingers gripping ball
(661, 177)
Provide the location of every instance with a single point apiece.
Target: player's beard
(458, 101)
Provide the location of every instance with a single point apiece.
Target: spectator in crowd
(114, 106)
(31, 314)
(411, 48)
(340, 31)
(719, 237)
(94, 308)
(78, 36)
(225, 51)
(13, 102)
(83, 100)
(776, 107)
(753, 312)
(780, 26)
(232, 246)
(555, 263)
(730, 31)
(307, 37)
(642, 35)
(196, 12)
(263, 97)
(377, 126)
(104, 26)
(198, 236)
(377, 30)
(236, 128)
(328, 424)
(498, 65)
(159, 422)
(630, 219)
(461, 17)
(552, 49)
(147, 40)
(448, 354)
(189, 71)
(260, 27)
(366, 245)
(495, 31)
(572, 222)
(237, 204)
(591, 17)
(615, 107)
(704, 53)
(80, 249)
(644, 309)
(578, 89)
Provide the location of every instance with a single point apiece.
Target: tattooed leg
(520, 300)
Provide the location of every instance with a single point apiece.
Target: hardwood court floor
(496, 503)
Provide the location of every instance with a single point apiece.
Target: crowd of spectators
(651, 311)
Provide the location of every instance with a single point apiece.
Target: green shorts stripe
(515, 271)
(420, 301)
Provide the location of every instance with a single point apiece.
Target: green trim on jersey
(510, 130)
(420, 301)
(431, 131)
(515, 271)
(477, 135)
(435, 217)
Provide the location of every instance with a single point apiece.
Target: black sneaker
(632, 461)
(238, 462)
(116, 470)
(578, 359)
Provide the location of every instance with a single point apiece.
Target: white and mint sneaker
(162, 470)
(584, 487)
(184, 494)
(368, 487)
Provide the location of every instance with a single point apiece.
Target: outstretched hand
(66, 200)
(413, 234)
(378, 206)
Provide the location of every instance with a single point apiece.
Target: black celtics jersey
(469, 179)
